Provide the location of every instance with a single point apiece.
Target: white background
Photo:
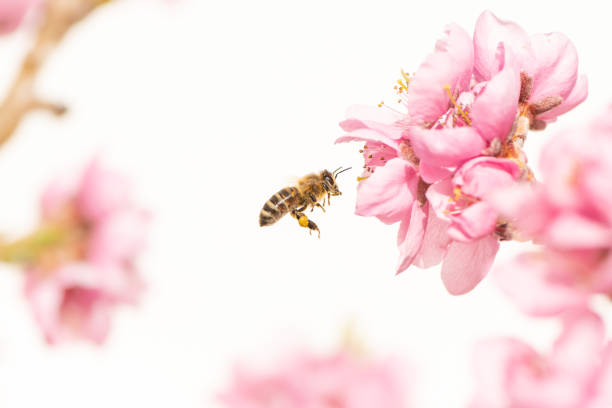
(211, 107)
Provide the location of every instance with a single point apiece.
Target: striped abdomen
(278, 205)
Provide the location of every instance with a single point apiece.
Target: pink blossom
(548, 62)
(458, 228)
(312, 381)
(74, 285)
(468, 109)
(576, 373)
(12, 13)
(462, 118)
(568, 214)
(389, 192)
(461, 200)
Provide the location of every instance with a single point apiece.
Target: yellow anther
(402, 83)
(457, 107)
(381, 104)
(361, 178)
(456, 193)
(405, 76)
(303, 220)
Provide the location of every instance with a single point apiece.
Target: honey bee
(309, 190)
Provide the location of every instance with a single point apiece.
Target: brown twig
(56, 20)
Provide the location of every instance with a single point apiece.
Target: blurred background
(211, 107)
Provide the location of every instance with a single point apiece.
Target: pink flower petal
(578, 94)
(495, 109)
(12, 13)
(484, 175)
(570, 231)
(410, 236)
(489, 32)
(525, 206)
(474, 222)
(537, 285)
(119, 236)
(102, 191)
(578, 350)
(368, 135)
(439, 195)
(431, 173)
(98, 323)
(377, 119)
(603, 388)
(466, 264)
(446, 147)
(388, 193)
(449, 65)
(556, 67)
(600, 280)
(44, 298)
(435, 241)
(592, 179)
(493, 364)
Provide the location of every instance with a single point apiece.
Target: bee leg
(305, 222)
(314, 201)
(328, 197)
(313, 227)
(320, 206)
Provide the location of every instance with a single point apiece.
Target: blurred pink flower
(12, 13)
(576, 373)
(569, 214)
(74, 285)
(311, 381)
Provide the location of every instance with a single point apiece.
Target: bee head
(329, 180)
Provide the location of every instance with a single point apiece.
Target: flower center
(460, 106)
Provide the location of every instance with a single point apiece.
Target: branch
(57, 19)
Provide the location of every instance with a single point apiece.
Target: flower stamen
(456, 193)
(463, 114)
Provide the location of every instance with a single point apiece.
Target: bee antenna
(348, 168)
(334, 172)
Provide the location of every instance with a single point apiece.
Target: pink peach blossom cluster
(308, 380)
(97, 230)
(467, 111)
(569, 215)
(576, 373)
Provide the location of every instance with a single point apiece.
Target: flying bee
(309, 190)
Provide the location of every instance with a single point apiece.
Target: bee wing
(291, 180)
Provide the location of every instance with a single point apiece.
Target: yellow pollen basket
(456, 105)
(303, 221)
